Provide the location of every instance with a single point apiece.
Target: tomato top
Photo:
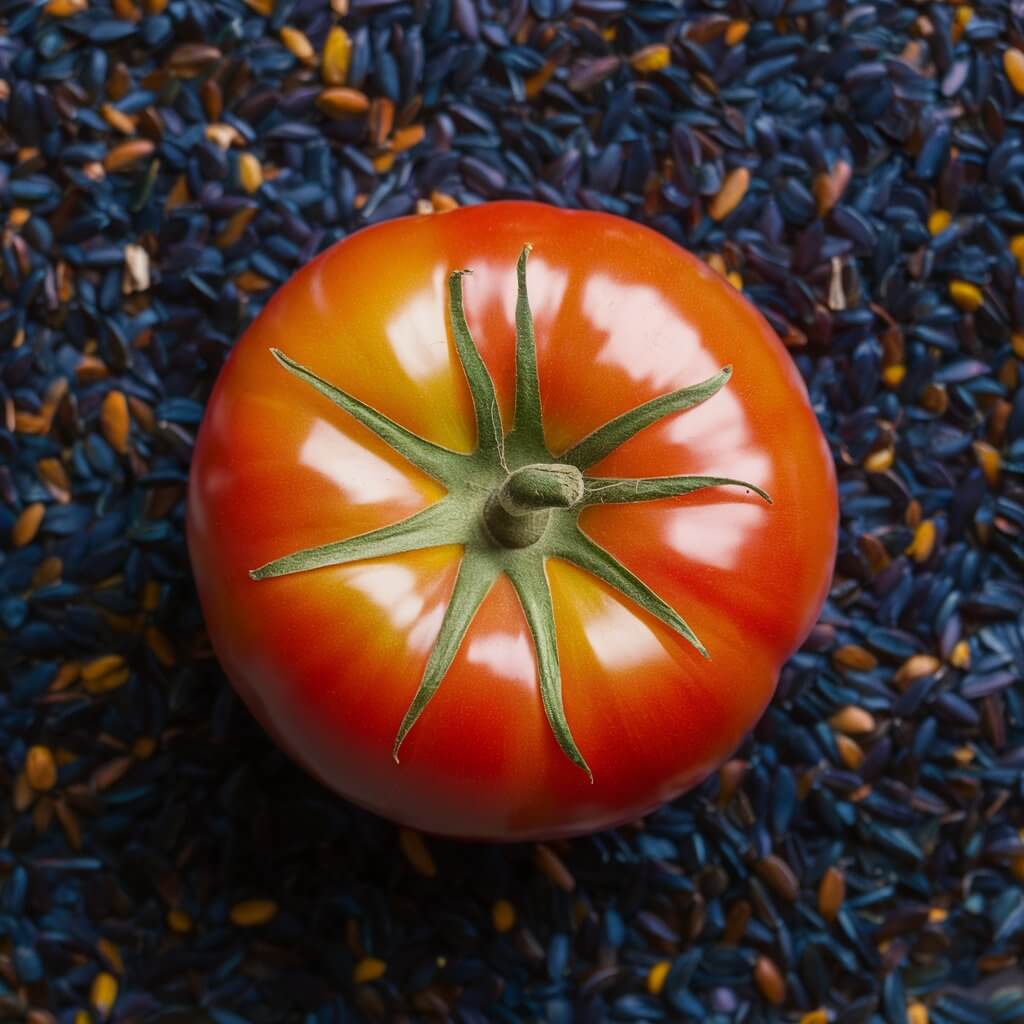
(493, 554)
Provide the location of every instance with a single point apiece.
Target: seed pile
(857, 170)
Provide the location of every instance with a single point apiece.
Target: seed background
(856, 170)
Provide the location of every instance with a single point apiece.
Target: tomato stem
(517, 513)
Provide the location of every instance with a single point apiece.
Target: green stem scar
(512, 505)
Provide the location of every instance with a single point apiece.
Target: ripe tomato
(465, 606)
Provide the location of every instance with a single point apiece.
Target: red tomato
(628, 570)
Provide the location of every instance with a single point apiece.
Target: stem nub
(517, 513)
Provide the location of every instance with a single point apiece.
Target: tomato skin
(329, 660)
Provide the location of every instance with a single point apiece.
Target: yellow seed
(250, 173)
(831, 893)
(917, 666)
(48, 571)
(416, 852)
(1017, 344)
(815, 1017)
(1013, 65)
(852, 720)
(23, 794)
(112, 680)
(1017, 248)
(144, 747)
(966, 295)
(235, 227)
(406, 138)
(881, 460)
(115, 421)
(102, 666)
(651, 58)
(553, 867)
(939, 221)
(82, 1017)
(117, 119)
(103, 993)
(150, 596)
(223, 135)
(734, 278)
(964, 15)
(91, 368)
(850, 752)
(829, 186)
(893, 375)
(442, 202)
(65, 8)
(122, 157)
(733, 189)
(336, 57)
(264, 8)
(716, 261)
(779, 876)
(1008, 374)
(936, 915)
(27, 422)
(855, 657)
(179, 921)
(66, 675)
(337, 101)
(656, 976)
(536, 82)
(136, 269)
(178, 195)
(368, 969)
(769, 980)
(961, 655)
(1017, 868)
(503, 916)
(923, 544)
(736, 32)
(963, 756)
(917, 1013)
(55, 476)
(26, 526)
(252, 913)
(381, 120)
(250, 281)
(730, 775)
(297, 44)
(935, 398)
(111, 954)
(989, 459)
(383, 163)
(40, 769)
(161, 646)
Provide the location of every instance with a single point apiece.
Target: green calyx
(511, 505)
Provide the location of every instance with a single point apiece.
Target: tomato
(509, 554)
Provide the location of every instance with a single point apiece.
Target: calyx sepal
(511, 505)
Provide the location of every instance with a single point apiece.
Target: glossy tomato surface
(330, 659)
